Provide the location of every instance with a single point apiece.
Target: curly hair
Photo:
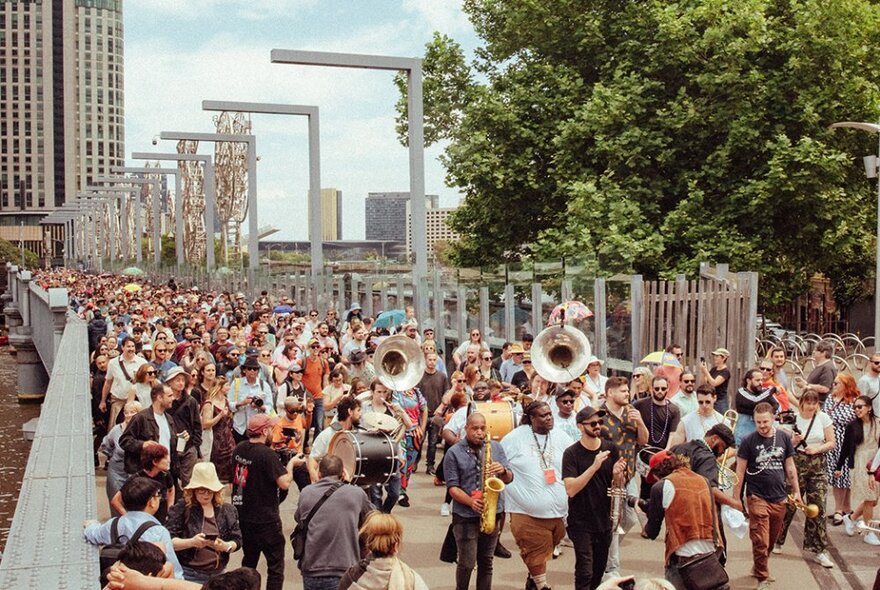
(670, 464)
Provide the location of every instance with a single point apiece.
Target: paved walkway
(425, 529)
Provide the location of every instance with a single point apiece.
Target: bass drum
(368, 457)
(500, 417)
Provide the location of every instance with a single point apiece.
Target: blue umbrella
(283, 309)
(390, 319)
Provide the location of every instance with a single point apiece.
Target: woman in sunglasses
(859, 448)
(144, 380)
(217, 420)
(486, 371)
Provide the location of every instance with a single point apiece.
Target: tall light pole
(314, 166)
(178, 202)
(251, 142)
(871, 169)
(210, 194)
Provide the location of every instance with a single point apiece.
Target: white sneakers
(848, 525)
(777, 549)
(871, 538)
(823, 559)
(444, 509)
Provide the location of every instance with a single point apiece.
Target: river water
(15, 448)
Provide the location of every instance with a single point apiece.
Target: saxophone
(492, 486)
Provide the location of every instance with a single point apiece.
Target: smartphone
(212, 536)
(702, 359)
(288, 431)
(627, 584)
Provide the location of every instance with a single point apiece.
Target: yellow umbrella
(661, 357)
(132, 287)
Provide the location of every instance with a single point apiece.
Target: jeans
(317, 421)
(430, 444)
(765, 525)
(722, 404)
(199, 576)
(474, 548)
(745, 425)
(591, 556)
(322, 583)
(392, 494)
(265, 538)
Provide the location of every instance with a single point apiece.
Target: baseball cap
(654, 462)
(588, 412)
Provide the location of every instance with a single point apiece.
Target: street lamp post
(251, 142)
(210, 194)
(871, 169)
(178, 202)
(314, 167)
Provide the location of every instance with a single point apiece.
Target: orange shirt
(281, 440)
(313, 376)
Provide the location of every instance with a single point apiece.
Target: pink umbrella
(570, 311)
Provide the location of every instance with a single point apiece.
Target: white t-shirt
(164, 432)
(567, 425)
(321, 444)
(458, 421)
(817, 433)
(696, 426)
(121, 386)
(870, 386)
(529, 493)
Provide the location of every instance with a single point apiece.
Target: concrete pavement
(425, 530)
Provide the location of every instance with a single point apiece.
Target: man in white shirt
(512, 365)
(869, 383)
(564, 415)
(119, 382)
(685, 398)
(695, 425)
(248, 397)
(358, 342)
(536, 498)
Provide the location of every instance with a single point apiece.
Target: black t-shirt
(703, 461)
(765, 470)
(588, 510)
(661, 421)
(520, 380)
(433, 387)
(254, 486)
(721, 390)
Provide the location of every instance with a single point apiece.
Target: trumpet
(730, 418)
(727, 477)
(617, 493)
(809, 510)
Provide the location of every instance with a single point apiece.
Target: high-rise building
(331, 214)
(386, 215)
(61, 104)
(436, 229)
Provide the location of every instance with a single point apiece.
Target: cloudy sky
(178, 53)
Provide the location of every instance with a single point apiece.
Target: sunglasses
(265, 356)
(766, 369)
(294, 411)
(161, 350)
(661, 389)
(705, 402)
(151, 372)
(315, 347)
(859, 406)
(688, 380)
(459, 380)
(233, 354)
(487, 358)
(592, 423)
(566, 401)
(875, 362)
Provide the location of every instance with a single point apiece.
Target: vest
(689, 516)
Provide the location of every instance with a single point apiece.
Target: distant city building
(386, 215)
(61, 92)
(436, 229)
(331, 214)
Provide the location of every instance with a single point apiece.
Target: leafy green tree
(649, 136)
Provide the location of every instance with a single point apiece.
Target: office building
(61, 105)
(386, 215)
(331, 214)
(436, 229)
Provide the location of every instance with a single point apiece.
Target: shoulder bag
(705, 572)
(301, 530)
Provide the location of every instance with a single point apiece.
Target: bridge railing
(47, 309)
(45, 548)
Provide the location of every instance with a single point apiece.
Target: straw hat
(204, 476)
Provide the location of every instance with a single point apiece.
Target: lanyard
(544, 463)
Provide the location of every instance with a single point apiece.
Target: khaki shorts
(536, 537)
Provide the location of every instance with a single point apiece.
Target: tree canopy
(647, 136)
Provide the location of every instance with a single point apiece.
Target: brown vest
(689, 516)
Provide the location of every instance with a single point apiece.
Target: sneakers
(871, 538)
(777, 549)
(444, 509)
(763, 585)
(825, 561)
(557, 551)
(837, 518)
(848, 525)
(430, 470)
(404, 501)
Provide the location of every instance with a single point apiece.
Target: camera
(787, 417)
(258, 403)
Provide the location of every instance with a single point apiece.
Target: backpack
(110, 553)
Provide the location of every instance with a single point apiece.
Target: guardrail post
(32, 377)
(58, 304)
(6, 297)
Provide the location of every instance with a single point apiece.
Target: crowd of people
(210, 408)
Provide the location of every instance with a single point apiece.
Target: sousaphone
(560, 353)
(399, 362)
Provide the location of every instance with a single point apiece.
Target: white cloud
(439, 15)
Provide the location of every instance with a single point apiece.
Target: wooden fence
(718, 310)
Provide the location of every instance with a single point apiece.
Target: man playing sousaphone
(465, 472)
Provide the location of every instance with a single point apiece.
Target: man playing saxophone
(466, 470)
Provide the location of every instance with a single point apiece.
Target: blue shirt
(99, 534)
(463, 468)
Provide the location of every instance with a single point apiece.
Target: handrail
(45, 548)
